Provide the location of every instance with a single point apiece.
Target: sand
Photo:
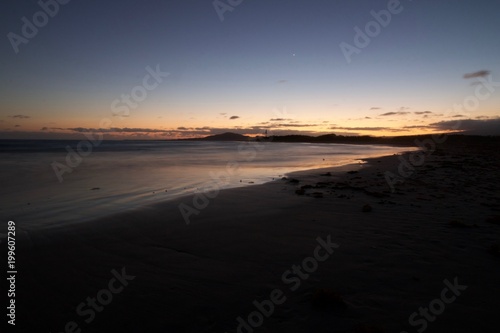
(393, 253)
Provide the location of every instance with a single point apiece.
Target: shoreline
(188, 199)
(392, 257)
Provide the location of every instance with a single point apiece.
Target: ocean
(49, 183)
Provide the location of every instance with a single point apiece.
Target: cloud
(477, 74)
(234, 117)
(20, 116)
(290, 125)
(470, 126)
(375, 108)
(222, 114)
(490, 126)
(293, 125)
(422, 112)
(458, 116)
(417, 127)
(365, 128)
(282, 81)
(399, 113)
(280, 119)
(368, 118)
(114, 130)
(253, 130)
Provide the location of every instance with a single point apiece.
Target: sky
(158, 69)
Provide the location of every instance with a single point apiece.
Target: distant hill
(410, 140)
(228, 136)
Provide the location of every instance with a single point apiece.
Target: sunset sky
(275, 65)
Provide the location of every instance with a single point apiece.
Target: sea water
(122, 175)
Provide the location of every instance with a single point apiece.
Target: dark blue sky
(265, 56)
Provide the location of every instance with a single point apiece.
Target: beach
(325, 250)
(235, 166)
